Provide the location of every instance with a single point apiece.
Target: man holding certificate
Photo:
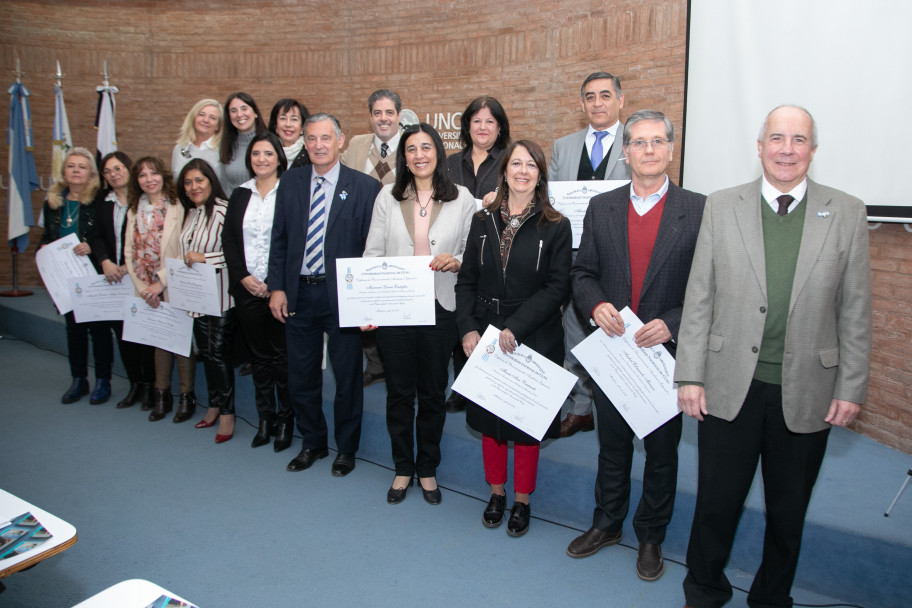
(636, 251)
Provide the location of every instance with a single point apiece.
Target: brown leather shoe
(650, 565)
(591, 541)
(573, 423)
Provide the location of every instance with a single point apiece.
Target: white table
(134, 593)
(63, 535)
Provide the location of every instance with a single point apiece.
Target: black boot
(185, 407)
(77, 391)
(161, 404)
(146, 396)
(131, 398)
(264, 432)
(284, 433)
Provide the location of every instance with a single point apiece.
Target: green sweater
(781, 242)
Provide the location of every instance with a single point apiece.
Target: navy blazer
(346, 233)
(601, 272)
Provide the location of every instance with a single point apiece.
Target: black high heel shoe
(394, 496)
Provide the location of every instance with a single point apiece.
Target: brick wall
(164, 56)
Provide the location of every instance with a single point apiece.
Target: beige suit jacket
(392, 233)
(170, 245)
(828, 336)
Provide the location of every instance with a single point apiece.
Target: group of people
(754, 289)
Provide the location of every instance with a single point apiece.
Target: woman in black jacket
(515, 275)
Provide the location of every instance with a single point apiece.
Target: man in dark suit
(592, 153)
(775, 349)
(323, 212)
(636, 250)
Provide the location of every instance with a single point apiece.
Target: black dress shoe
(394, 496)
(372, 378)
(284, 432)
(264, 432)
(455, 403)
(650, 565)
(185, 407)
(162, 404)
(102, 391)
(131, 398)
(343, 464)
(77, 391)
(519, 519)
(432, 497)
(305, 459)
(245, 369)
(591, 541)
(494, 512)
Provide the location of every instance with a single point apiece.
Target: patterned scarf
(511, 225)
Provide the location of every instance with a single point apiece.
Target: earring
(539, 183)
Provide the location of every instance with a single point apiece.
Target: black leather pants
(213, 342)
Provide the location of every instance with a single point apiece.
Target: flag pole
(15, 292)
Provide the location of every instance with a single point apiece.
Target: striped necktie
(313, 252)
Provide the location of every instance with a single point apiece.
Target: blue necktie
(597, 153)
(313, 251)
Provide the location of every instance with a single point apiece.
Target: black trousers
(78, 347)
(416, 359)
(612, 483)
(138, 359)
(265, 339)
(214, 342)
(729, 452)
(314, 316)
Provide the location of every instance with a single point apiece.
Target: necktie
(384, 149)
(313, 251)
(597, 153)
(784, 201)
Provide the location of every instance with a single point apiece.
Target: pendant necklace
(71, 215)
(422, 209)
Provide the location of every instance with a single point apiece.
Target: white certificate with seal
(523, 388)
(94, 299)
(572, 200)
(57, 264)
(639, 381)
(387, 291)
(165, 327)
(194, 288)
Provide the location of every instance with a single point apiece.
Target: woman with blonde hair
(200, 136)
(68, 209)
(154, 220)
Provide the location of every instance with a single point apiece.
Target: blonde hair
(187, 133)
(55, 192)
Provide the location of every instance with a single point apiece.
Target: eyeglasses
(640, 144)
(113, 170)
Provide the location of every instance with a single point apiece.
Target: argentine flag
(23, 178)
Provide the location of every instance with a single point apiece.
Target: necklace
(422, 209)
(72, 213)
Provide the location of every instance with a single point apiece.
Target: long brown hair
(549, 213)
(156, 164)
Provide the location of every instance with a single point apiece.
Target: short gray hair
(602, 76)
(384, 94)
(789, 105)
(321, 116)
(642, 115)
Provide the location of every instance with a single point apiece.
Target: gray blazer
(392, 233)
(566, 153)
(828, 336)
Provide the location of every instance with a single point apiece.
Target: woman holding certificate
(201, 195)
(423, 214)
(515, 276)
(154, 219)
(246, 239)
(69, 210)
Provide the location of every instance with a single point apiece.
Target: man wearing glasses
(636, 251)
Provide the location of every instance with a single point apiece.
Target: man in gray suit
(636, 249)
(375, 154)
(593, 153)
(774, 349)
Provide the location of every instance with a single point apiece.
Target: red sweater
(641, 236)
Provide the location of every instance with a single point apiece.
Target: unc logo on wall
(448, 125)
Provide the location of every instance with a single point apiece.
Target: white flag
(104, 122)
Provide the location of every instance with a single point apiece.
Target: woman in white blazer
(154, 219)
(424, 214)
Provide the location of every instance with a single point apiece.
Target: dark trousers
(214, 342)
(78, 347)
(612, 482)
(265, 339)
(416, 359)
(729, 452)
(138, 359)
(304, 331)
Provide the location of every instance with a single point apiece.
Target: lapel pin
(823, 214)
(343, 195)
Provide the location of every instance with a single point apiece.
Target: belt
(313, 279)
(500, 307)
